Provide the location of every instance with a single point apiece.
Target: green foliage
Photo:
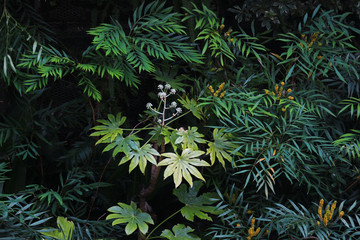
(132, 216)
(195, 205)
(20, 217)
(283, 123)
(183, 166)
(221, 147)
(180, 232)
(109, 128)
(140, 156)
(65, 231)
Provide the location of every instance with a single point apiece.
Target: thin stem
(148, 237)
(177, 118)
(138, 125)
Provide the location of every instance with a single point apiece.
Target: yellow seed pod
(276, 88)
(301, 45)
(283, 109)
(341, 214)
(267, 91)
(288, 91)
(273, 93)
(333, 206)
(291, 97)
(302, 35)
(319, 44)
(321, 204)
(319, 57)
(238, 225)
(326, 220)
(257, 231)
(282, 83)
(222, 94)
(222, 26)
(215, 94)
(231, 40)
(318, 223)
(212, 91)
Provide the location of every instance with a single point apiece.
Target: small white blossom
(162, 95)
(161, 87)
(159, 121)
(149, 105)
(173, 105)
(167, 86)
(178, 110)
(172, 91)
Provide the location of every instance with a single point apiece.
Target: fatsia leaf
(180, 233)
(109, 129)
(220, 148)
(193, 106)
(132, 216)
(140, 156)
(189, 138)
(183, 166)
(196, 205)
(64, 232)
(121, 144)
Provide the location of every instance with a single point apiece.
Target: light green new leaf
(180, 233)
(121, 144)
(64, 232)
(193, 106)
(132, 216)
(189, 138)
(196, 205)
(183, 166)
(220, 148)
(140, 156)
(109, 129)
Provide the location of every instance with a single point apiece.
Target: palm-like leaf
(183, 166)
(220, 147)
(132, 216)
(180, 233)
(109, 129)
(189, 138)
(140, 156)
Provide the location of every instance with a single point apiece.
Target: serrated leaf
(183, 166)
(220, 148)
(193, 106)
(123, 145)
(196, 205)
(132, 216)
(140, 156)
(64, 232)
(109, 129)
(189, 138)
(180, 232)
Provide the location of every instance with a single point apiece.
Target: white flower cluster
(165, 91)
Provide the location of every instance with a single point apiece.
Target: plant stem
(148, 237)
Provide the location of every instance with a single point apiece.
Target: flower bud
(149, 105)
(167, 86)
(173, 105)
(162, 95)
(161, 87)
